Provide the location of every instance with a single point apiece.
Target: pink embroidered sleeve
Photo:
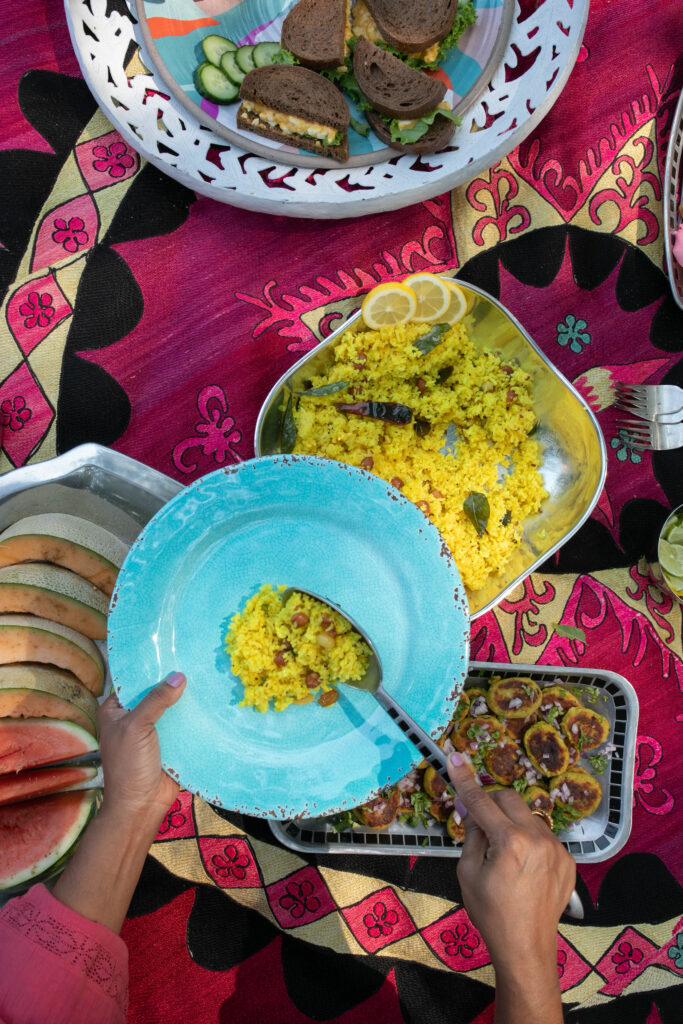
(57, 966)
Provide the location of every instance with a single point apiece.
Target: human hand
(134, 781)
(515, 876)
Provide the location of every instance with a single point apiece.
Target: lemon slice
(671, 557)
(387, 304)
(433, 297)
(675, 582)
(674, 534)
(458, 304)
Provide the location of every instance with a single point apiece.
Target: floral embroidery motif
(526, 610)
(114, 159)
(645, 775)
(498, 192)
(675, 953)
(561, 962)
(460, 940)
(174, 818)
(70, 236)
(13, 413)
(380, 921)
(234, 863)
(299, 899)
(573, 332)
(37, 310)
(626, 957)
(216, 434)
(624, 444)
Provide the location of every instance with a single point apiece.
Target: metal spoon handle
(431, 751)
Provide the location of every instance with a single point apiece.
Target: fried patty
(547, 750)
(503, 762)
(585, 792)
(517, 697)
(584, 728)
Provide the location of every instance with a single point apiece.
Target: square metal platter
(574, 461)
(595, 838)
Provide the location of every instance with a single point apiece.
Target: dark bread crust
(340, 152)
(291, 89)
(391, 86)
(436, 138)
(413, 27)
(314, 32)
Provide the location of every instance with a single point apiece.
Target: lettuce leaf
(421, 125)
(346, 80)
(465, 16)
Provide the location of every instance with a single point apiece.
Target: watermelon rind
(47, 866)
(34, 690)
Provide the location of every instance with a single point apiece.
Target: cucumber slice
(213, 84)
(229, 67)
(215, 46)
(245, 58)
(264, 52)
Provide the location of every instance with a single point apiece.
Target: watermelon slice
(31, 742)
(40, 691)
(36, 834)
(37, 782)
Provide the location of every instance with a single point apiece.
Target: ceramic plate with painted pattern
(300, 521)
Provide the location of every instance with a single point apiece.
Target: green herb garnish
(431, 339)
(528, 691)
(520, 785)
(324, 389)
(599, 763)
(444, 373)
(507, 518)
(420, 803)
(341, 822)
(570, 632)
(553, 713)
(581, 741)
(591, 694)
(563, 817)
(425, 841)
(288, 430)
(477, 509)
(361, 127)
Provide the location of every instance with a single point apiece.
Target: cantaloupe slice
(54, 593)
(32, 742)
(29, 638)
(32, 691)
(37, 782)
(35, 835)
(69, 541)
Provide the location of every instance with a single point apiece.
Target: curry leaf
(288, 430)
(477, 510)
(431, 339)
(324, 389)
(570, 632)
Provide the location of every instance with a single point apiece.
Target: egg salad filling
(258, 113)
(364, 25)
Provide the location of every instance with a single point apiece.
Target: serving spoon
(431, 752)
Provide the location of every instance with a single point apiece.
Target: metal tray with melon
(65, 528)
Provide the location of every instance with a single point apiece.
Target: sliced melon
(36, 834)
(69, 541)
(54, 593)
(32, 742)
(37, 782)
(31, 691)
(29, 638)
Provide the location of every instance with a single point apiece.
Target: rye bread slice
(314, 32)
(436, 138)
(413, 27)
(298, 91)
(392, 87)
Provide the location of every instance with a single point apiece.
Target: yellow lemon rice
(472, 402)
(293, 652)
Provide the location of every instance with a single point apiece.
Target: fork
(642, 436)
(660, 403)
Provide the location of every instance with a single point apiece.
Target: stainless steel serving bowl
(574, 457)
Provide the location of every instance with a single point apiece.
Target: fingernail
(460, 808)
(457, 759)
(175, 679)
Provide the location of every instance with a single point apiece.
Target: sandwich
(296, 106)
(421, 32)
(405, 108)
(316, 32)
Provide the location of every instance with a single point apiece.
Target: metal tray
(574, 459)
(593, 839)
(98, 484)
(673, 194)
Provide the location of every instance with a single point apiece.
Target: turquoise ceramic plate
(300, 521)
